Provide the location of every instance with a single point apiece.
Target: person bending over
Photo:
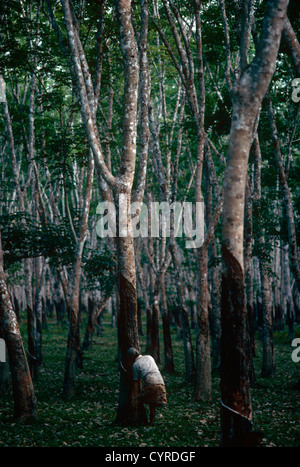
(153, 391)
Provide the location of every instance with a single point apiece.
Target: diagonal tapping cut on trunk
(122, 182)
(247, 95)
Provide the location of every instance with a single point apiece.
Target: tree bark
(293, 45)
(216, 312)
(202, 389)
(96, 310)
(287, 197)
(21, 192)
(249, 276)
(155, 342)
(184, 319)
(73, 344)
(25, 407)
(268, 363)
(168, 349)
(290, 312)
(128, 336)
(247, 95)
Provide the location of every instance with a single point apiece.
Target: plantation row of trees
(163, 101)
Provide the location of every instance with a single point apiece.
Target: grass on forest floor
(88, 419)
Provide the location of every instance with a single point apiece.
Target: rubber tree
(120, 184)
(191, 73)
(25, 408)
(247, 94)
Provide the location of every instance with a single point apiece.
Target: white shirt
(146, 368)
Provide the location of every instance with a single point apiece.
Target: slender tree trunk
(31, 320)
(148, 348)
(96, 310)
(121, 184)
(168, 349)
(127, 330)
(184, 319)
(268, 364)
(128, 410)
(293, 45)
(247, 95)
(21, 192)
(202, 390)
(39, 313)
(290, 314)
(287, 197)
(92, 312)
(151, 275)
(249, 277)
(23, 392)
(216, 313)
(155, 344)
(73, 301)
(203, 358)
(277, 287)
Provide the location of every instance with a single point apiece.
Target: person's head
(132, 354)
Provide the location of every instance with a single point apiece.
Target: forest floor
(89, 418)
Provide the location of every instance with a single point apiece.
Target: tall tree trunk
(249, 277)
(287, 197)
(290, 313)
(155, 344)
(202, 390)
(293, 45)
(168, 349)
(25, 407)
(184, 318)
(73, 343)
(31, 319)
(277, 287)
(122, 183)
(247, 95)
(268, 363)
(21, 192)
(39, 312)
(95, 311)
(128, 410)
(216, 312)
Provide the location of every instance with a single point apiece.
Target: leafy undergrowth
(89, 418)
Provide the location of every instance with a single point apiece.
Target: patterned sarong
(154, 395)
